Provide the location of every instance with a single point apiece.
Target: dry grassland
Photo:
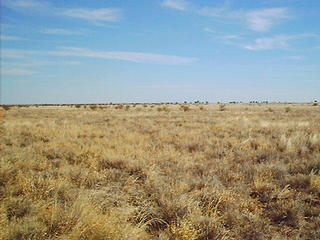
(243, 171)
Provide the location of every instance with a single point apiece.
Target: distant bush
(77, 106)
(315, 104)
(5, 107)
(185, 108)
(165, 109)
(270, 109)
(93, 107)
(287, 109)
(120, 106)
(127, 107)
(222, 107)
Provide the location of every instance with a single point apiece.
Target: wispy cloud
(60, 31)
(260, 20)
(138, 57)
(17, 4)
(34, 64)
(17, 71)
(215, 11)
(230, 36)
(277, 42)
(263, 20)
(23, 68)
(223, 37)
(16, 53)
(98, 15)
(209, 30)
(10, 38)
(166, 86)
(25, 64)
(180, 5)
(94, 15)
(125, 56)
(72, 62)
(29, 6)
(296, 58)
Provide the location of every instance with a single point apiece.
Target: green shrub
(93, 107)
(6, 107)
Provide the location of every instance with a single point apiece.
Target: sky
(105, 51)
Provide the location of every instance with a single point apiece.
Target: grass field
(239, 171)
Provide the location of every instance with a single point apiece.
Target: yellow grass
(239, 171)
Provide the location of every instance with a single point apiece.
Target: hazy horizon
(159, 51)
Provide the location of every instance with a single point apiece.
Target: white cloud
(17, 71)
(25, 4)
(24, 64)
(138, 57)
(72, 62)
(9, 38)
(209, 30)
(98, 15)
(180, 5)
(214, 12)
(125, 56)
(230, 37)
(60, 31)
(277, 42)
(293, 58)
(95, 15)
(15, 53)
(166, 86)
(5, 26)
(263, 20)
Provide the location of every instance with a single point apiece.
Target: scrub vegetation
(175, 171)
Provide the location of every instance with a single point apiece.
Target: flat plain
(178, 171)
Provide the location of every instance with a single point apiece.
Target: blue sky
(158, 51)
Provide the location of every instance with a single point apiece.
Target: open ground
(178, 171)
